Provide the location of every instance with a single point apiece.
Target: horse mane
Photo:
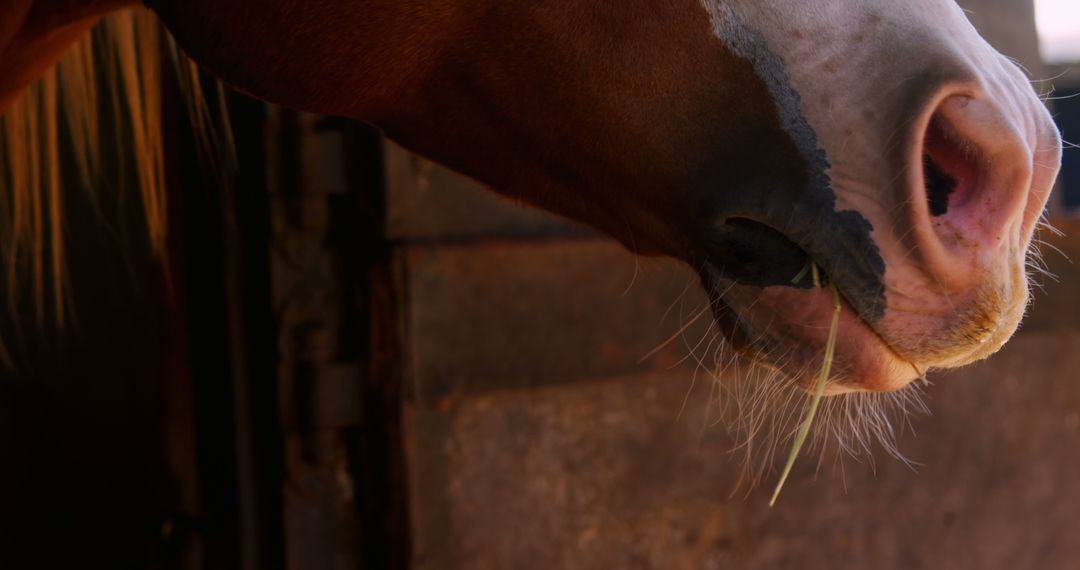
(116, 68)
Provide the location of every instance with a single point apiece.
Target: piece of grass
(802, 273)
(819, 388)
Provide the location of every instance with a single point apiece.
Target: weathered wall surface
(536, 440)
(555, 451)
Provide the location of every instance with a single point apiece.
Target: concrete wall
(535, 439)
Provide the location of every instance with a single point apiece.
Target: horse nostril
(938, 186)
(971, 171)
(950, 167)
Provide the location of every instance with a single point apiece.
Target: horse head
(883, 143)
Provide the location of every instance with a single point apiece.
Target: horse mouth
(760, 326)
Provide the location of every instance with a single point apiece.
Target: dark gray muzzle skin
(776, 209)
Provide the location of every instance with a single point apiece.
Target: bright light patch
(1059, 30)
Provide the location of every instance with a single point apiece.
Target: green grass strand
(815, 400)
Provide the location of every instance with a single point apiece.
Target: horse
(884, 145)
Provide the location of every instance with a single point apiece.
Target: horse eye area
(757, 254)
(950, 168)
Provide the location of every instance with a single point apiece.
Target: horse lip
(733, 327)
(756, 347)
(754, 250)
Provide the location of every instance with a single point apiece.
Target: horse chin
(785, 329)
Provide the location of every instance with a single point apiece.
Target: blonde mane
(116, 67)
